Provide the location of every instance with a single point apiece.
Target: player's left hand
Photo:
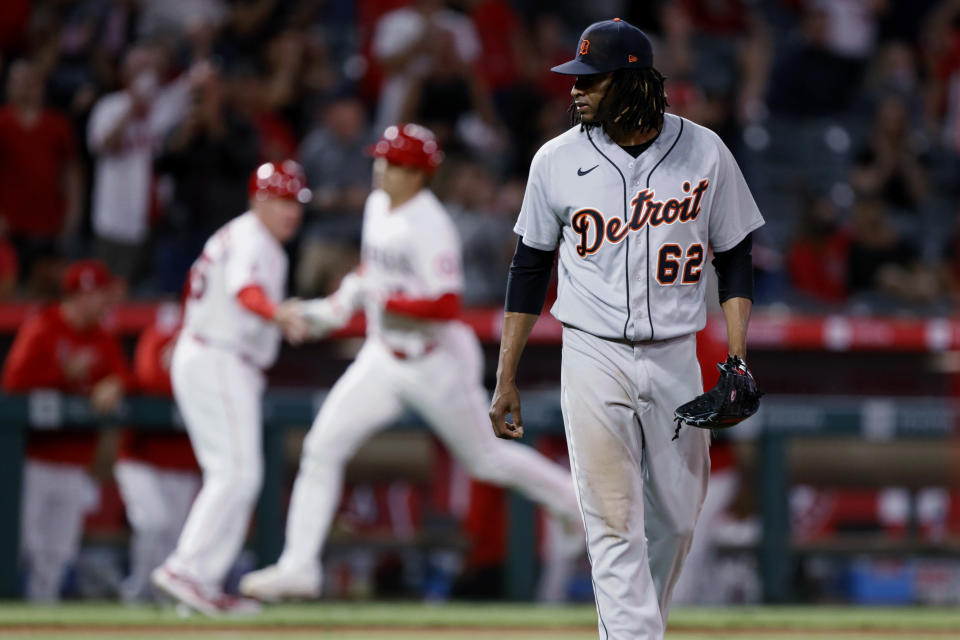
(735, 398)
(289, 318)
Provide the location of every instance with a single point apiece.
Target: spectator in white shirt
(401, 43)
(123, 133)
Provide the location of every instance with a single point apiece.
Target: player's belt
(403, 355)
(631, 343)
(643, 343)
(223, 347)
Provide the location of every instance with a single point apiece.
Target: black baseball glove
(735, 398)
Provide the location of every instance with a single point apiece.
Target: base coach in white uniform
(232, 325)
(633, 199)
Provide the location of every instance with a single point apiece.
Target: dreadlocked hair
(635, 100)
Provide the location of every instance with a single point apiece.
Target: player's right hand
(289, 318)
(506, 400)
(324, 315)
(355, 290)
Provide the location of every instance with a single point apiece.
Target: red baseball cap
(86, 275)
(280, 180)
(408, 145)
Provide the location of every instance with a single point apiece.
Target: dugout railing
(781, 418)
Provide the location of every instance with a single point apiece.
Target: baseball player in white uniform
(632, 198)
(231, 332)
(417, 356)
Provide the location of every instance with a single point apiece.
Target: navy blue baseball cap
(608, 46)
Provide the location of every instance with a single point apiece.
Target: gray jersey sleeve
(733, 213)
(538, 222)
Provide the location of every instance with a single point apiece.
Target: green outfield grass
(400, 621)
(440, 635)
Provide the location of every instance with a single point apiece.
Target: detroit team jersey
(241, 253)
(633, 233)
(413, 251)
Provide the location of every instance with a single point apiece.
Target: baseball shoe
(275, 583)
(238, 606)
(186, 590)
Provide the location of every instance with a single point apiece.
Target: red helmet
(280, 180)
(410, 145)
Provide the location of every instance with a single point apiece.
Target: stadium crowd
(128, 128)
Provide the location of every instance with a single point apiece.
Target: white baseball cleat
(186, 591)
(238, 606)
(275, 583)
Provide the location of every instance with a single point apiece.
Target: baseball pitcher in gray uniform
(633, 199)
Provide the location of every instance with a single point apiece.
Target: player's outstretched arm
(506, 397)
(324, 315)
(334, 312)
(285, 315)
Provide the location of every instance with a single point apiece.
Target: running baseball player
(231, 332)
(417, 356)
(632, 198)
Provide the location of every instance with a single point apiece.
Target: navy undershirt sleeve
(735, 271)
(528, 279)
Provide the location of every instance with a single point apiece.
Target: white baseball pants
(157, 502)
(56, 497)
(219, 395)
(445, 388)
(639, 489)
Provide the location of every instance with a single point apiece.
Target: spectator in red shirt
(818, 260)
(156, 471)
(502, 41)
(41, 183)
(66, 349)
